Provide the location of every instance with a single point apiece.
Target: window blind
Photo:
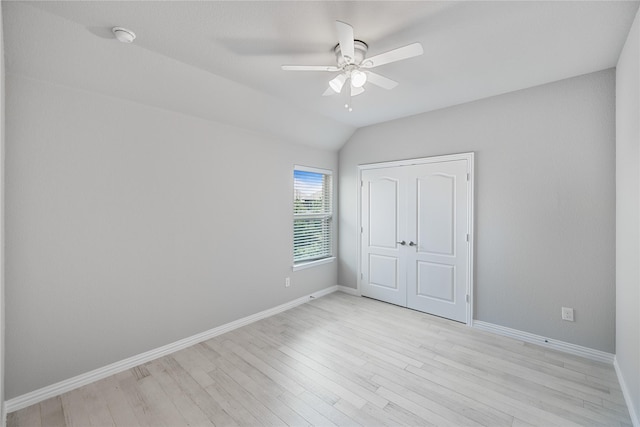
(312, 214)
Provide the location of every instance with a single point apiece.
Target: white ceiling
(221, 60)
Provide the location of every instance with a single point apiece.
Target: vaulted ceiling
(221, 60)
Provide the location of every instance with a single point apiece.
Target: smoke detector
(123, 35)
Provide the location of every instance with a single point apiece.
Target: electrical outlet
(287, 282)
(567, 314)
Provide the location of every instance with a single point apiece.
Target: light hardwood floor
(344, 360)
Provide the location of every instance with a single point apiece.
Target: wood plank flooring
(344, 360)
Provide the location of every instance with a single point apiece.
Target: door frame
(470, 158)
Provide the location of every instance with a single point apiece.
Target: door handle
(412, 244)
(402, 243)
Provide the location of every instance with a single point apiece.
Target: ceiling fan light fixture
(337, 83)
(358, 78)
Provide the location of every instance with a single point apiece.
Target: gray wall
(628, 215)
(130, 227)
(545, 201)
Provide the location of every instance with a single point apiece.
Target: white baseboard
(635, 419)
(350, 291)
(56, 389)
(566, 347)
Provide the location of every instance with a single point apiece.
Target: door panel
(383, 268)
(436, 210)
(383, 271)
(383, 212)
(436, 277)
(436, 281)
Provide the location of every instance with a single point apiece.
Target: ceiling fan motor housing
(360, 49)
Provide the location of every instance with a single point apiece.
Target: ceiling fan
(353, 65)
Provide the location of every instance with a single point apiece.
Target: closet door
(416, 234)
(384, 226)
(437, 258)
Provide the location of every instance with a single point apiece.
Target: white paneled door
(416, 229)
(384, 261)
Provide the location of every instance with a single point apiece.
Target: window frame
(329, 216)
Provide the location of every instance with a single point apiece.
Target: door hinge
(361, 183)
(361, 230)
(467, 298)
(468, 177)
(361, 276)
(467, 237)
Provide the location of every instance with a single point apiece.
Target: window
(312, 214)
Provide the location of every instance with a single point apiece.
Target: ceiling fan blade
(345, 38)
(309, 68)
(356, 90)
(409, 51)
(381, 81)
(329, 92)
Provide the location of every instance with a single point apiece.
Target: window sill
(310, 264)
